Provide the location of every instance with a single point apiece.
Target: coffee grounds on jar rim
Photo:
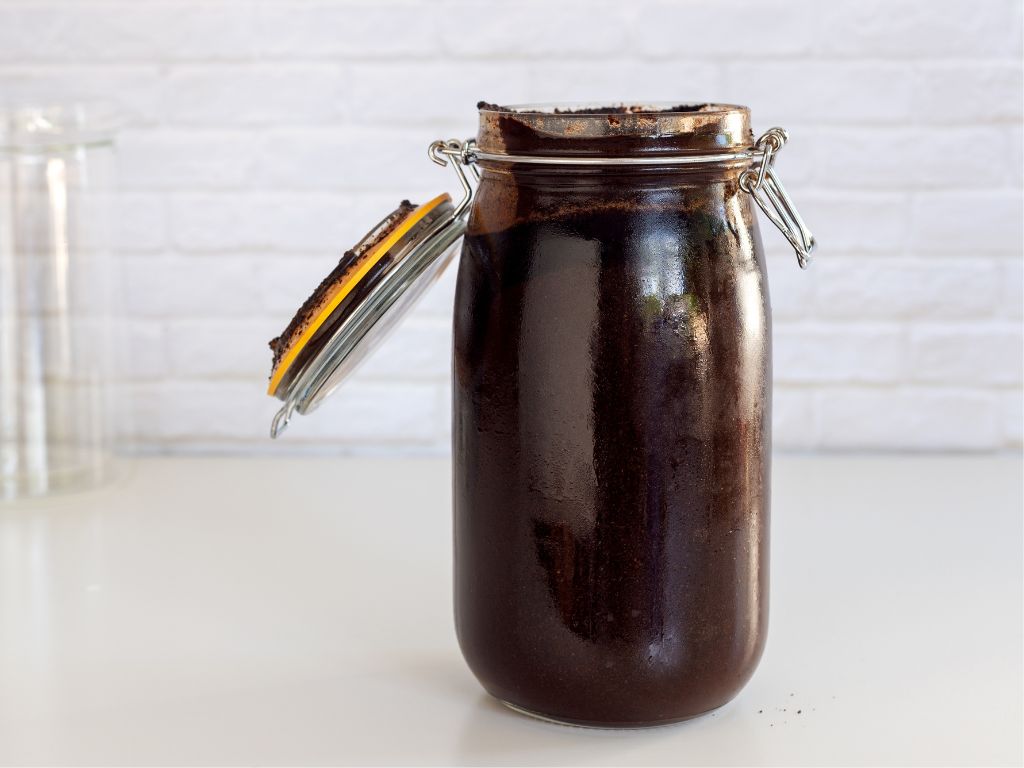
(622, 109)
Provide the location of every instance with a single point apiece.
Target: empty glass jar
(55, 280)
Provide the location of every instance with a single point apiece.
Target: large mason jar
(611, 423)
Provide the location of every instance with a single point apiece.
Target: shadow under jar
(611, 415)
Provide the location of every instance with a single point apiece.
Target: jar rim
(602, 109)
(614, 129)
(41, 128)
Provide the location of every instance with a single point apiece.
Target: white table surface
(266, 611)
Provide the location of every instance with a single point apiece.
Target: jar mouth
(614, 129)
(42, 128)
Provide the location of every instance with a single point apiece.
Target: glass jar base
(603, 726)
(63, 471)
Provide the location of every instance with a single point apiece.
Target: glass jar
(56, 169)
(611, 422)
(611, 402)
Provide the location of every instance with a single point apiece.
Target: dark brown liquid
(611, 442)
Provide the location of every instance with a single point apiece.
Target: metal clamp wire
(440, 152)
(772, 199)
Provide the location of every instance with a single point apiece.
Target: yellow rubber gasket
(345, 288)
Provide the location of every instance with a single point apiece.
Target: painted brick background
(265, 136)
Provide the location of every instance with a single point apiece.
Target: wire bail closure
(759, 180)
(461, 153)
(764, 186)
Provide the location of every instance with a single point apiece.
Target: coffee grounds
(610, 450)
(349, 261)
(622, 109)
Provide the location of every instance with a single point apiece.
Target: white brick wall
(266, 135)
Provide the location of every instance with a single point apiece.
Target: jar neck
(584, 134)
(605, 177)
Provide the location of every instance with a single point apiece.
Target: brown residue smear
(622, 109)
(724, 182)
(346, 265)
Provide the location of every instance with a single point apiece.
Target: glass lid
(366, 295)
